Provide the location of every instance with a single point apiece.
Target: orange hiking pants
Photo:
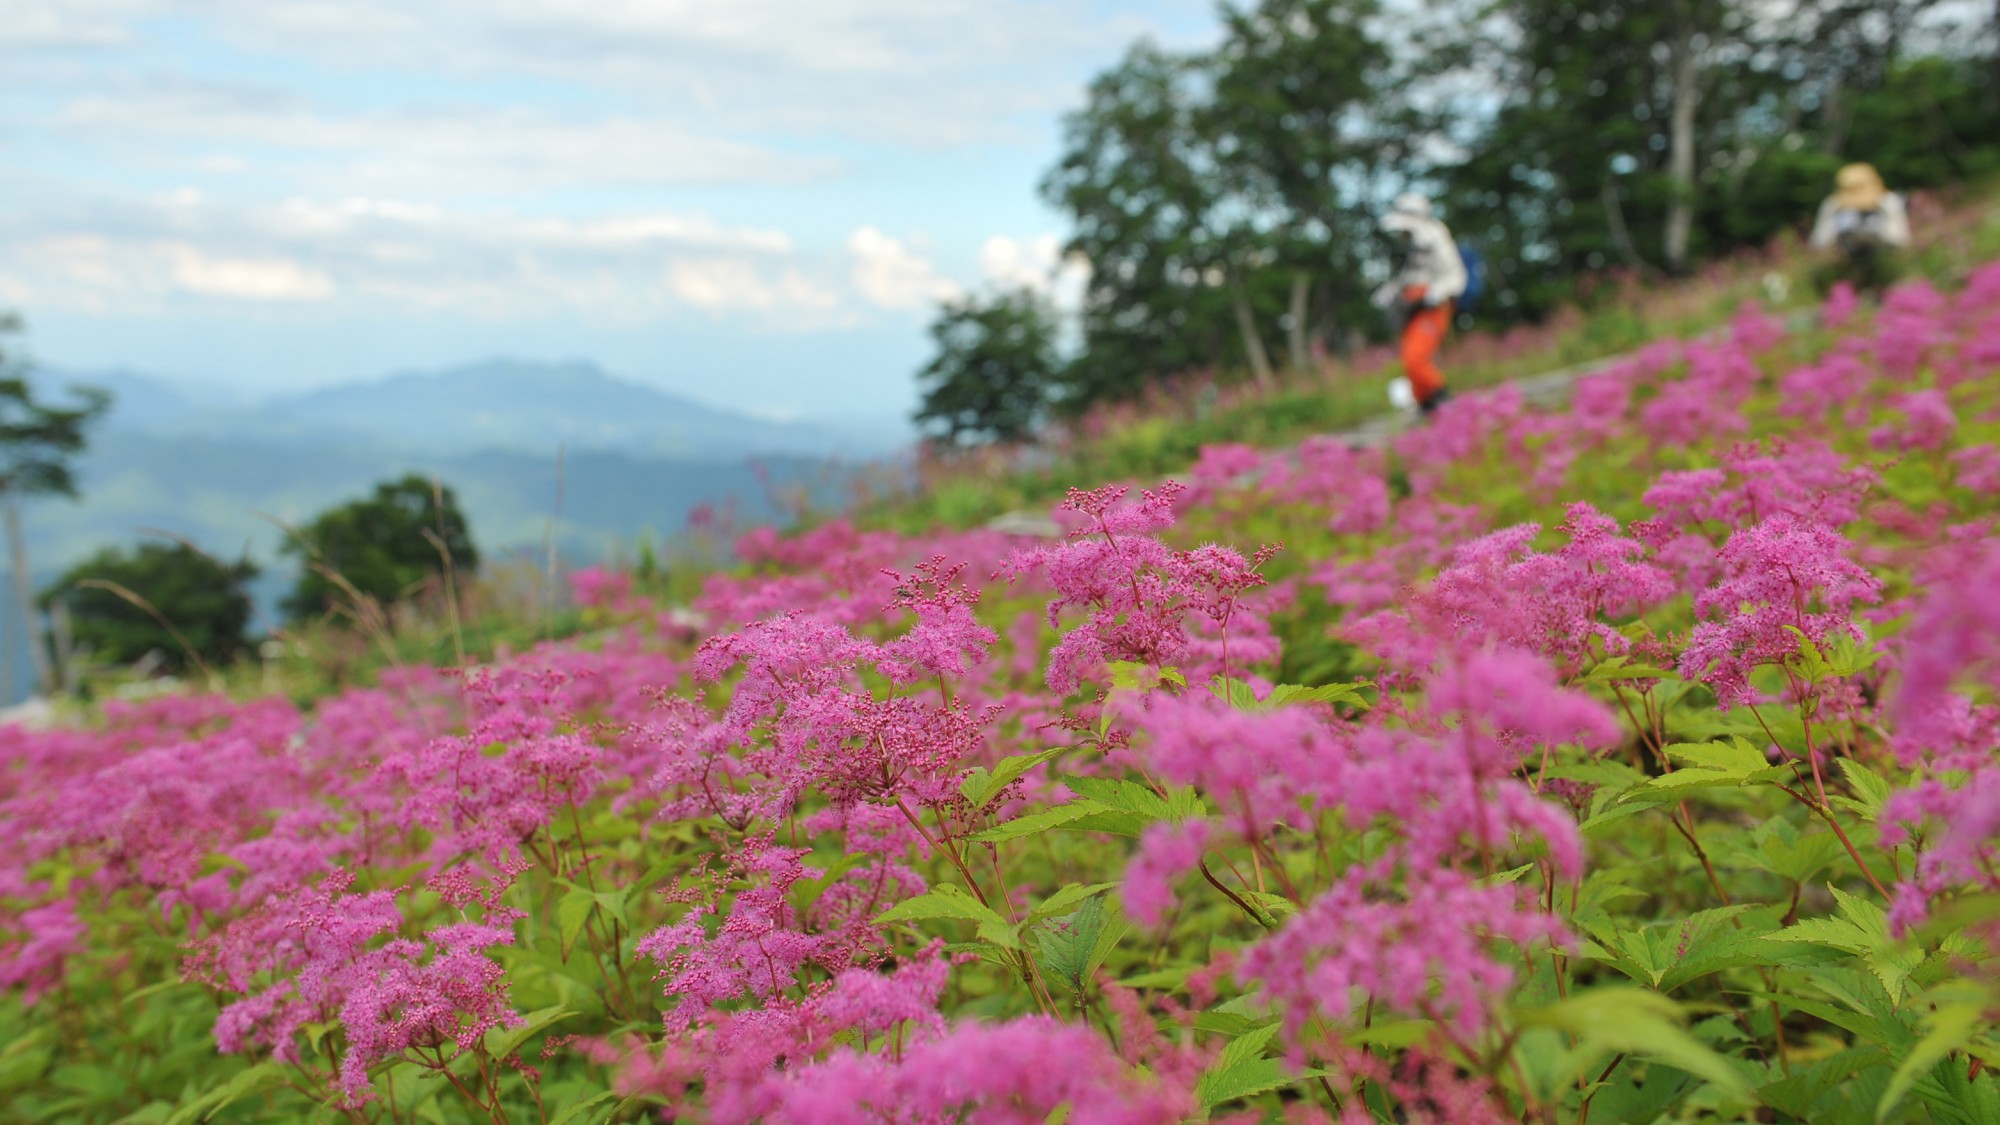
(1422, 334)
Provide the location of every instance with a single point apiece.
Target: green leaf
(1350, 695)
(938, 903)
(981, 786)
(1798, 1093)
(1951, 1027)
(995, 931)
(1274, 908)
(502, 1042)
(242, 1084)
(1502, 878)
(1617, 668)
(1861, 929)
(1242, 1071)
(1066, 899)
(1809, 663)
(1871, 792)
(1167, 979)
(806, 892)
(1038, 822)
(1707, 765)
(1637, 1022)
(1113, 931)
(1234, 692)
(1067, 946)
(1736, 756)
(1130, 676)
(1120, 794)
(572, 913)
(575, 1110)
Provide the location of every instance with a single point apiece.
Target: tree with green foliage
(996, 369)
(1648, 136)
(1138, 179)
(1215, 194)
(382, 548)
(169, 598)
(1309, 110)
(39, 443)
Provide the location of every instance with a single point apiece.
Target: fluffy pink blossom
(1780, 575)
(1014, 1073)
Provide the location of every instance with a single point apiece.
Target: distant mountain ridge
(635, 460)
(496, 405)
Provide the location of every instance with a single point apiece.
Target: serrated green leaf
(1242, 1071)
(1170, 979)
(1066, 946)
(942, 902)
(1038, 822)
(1808, 662)
(1348, 694)
(1617, 668)
(1638, 1022)
(1735, 756)
(502, 1042)
(1950, 1027)
(1130, 676)
(576, 1110)
(1274, 908)
(1001, 933)
(981, 785)
(1236, 693)
(1120, 794)
(1066, 899)
(572, 913)
(1708, 765)
(1502, 878)
(240, 1085)
(1871, 792)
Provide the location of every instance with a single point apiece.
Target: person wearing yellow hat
(1866, 226)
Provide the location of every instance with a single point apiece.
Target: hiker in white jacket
(1423, 292)
(1866, 225)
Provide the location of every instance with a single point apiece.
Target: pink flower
(1014, 1073)
(1424, 947)
(1166, 852)
(1782, 574)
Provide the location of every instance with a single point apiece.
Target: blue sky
(754, 202)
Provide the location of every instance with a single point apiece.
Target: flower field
(1624, 763)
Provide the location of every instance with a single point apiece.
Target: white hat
(1411, 203)
(1406, 211)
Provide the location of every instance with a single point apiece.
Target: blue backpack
(1475, 277)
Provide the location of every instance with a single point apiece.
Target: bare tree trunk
(1295, 332)
(64, 637)
(1253, 344)
(24, 598)
(1621, 235)
(1993, 65)
(1680, 148)
(1833, 117)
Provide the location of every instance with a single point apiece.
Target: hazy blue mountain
(138, 402)
(500, 404)
(185, 459)
(188, 461)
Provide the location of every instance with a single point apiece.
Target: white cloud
(1036, 263)
(923, 72)
(66, 24)
(456, 150)
(253, 279)
(394, 255)
(890, 275)
(736, 284)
